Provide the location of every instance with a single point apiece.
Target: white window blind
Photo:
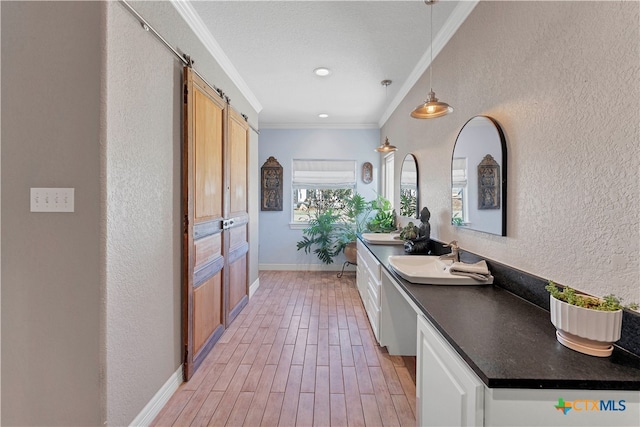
(409, 176)
(459, 172)
(319, 174)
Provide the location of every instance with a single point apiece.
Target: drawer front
(362, 278)
(369, 260)
(373, 288)
(374, 317)
(372, 299)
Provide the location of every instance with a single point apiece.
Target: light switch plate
(52, 199)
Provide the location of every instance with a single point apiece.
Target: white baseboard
(254, 287)
(152, 409)
(306, 267)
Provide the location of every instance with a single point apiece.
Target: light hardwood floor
(301, 353)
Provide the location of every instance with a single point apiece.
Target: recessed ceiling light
(323, 115)
(322, 71)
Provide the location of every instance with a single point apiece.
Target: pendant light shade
(386, 147)
(431, 108)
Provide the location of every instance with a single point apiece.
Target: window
(388, 177)
(320, 184)
(458, 191)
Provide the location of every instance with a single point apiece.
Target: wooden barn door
(216, 220)
(236, 243)
(203, 305)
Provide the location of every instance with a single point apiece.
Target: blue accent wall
(277, 239)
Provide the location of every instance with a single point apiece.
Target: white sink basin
(429, 270)
(382, 238)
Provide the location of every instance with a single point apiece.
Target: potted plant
(585, 323)
(359, 213)
(384, 220)
(331, 231)
(354, 221)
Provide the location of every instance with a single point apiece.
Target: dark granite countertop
(508, 341)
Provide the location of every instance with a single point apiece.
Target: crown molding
(196, 24)
(459, 15)
(318, 126)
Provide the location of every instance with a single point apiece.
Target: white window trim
(388, 180)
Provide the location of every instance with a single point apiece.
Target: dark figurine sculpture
(420, 244)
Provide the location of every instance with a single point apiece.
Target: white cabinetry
(448, 393)
(368, 281)
(397, 319)
(391, 314)
(525, 407)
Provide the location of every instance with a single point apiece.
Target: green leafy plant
(321, 237)
(408, 202)
(353, 221)
(384, 220)
(570, 296)
(409, 232)
(330, 230)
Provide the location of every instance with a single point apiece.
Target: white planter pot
(588, 331)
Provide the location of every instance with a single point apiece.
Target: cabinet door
(448, 393)
(362, 277)
(397, 319)
(368, 281)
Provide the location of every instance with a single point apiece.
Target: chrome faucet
(454, 255)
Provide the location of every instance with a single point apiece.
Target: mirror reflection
(409, 187)
(478, 177)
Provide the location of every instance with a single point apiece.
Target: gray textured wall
(51, 55)
(562, 80)
(141, 163)
(91, 325)
(142, 166)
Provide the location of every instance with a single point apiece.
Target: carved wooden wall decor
(367, 172)
(271, 179)
(488, 183)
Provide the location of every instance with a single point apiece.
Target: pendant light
(386, 147)
(431, 108)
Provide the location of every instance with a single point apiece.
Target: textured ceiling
(276, 45)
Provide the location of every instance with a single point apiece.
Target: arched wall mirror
(479, 177)
(409, 195)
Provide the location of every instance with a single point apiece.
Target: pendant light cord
(431, 108)
(431, 47)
